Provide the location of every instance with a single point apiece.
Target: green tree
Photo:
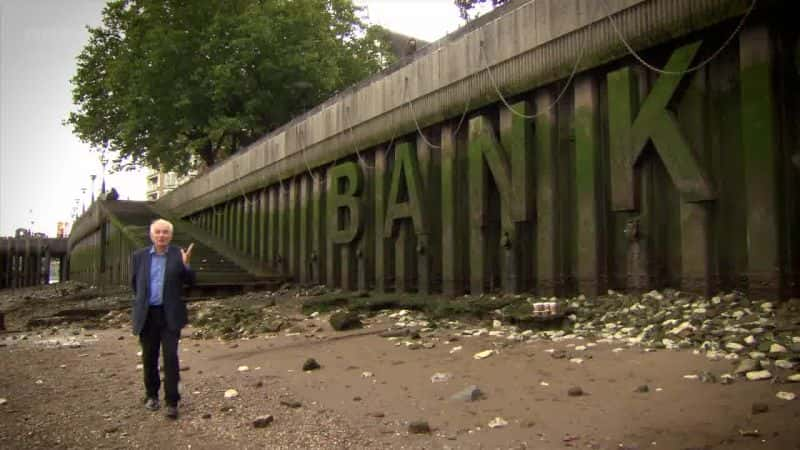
(162, 80)
(465, 6)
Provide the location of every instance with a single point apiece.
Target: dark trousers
(156, 335)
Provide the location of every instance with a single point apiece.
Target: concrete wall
(422, 179)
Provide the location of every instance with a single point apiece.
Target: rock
(758, 375)
(750, 340)
(734, 346)
(576, 360)
(440, 377)
(311, 364)
(484, 354)
(345, 320)
(470, 394)
(243, 368)
(231, 393)
(795, 378)
(707, 377)
(419, 427)
(759, 408)
(642, 388)
(455, 349)
(747, 365)
(783, 395)
(498, 422)
(402, 332)
(3, 401)
(784, 364)
(777, 348)
(206, 416)
(726, 378)
(294, 404)
(575, 391)
(263, 421)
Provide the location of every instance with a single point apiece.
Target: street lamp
(103, 162)
(92, 177)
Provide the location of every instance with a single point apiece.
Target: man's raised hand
(187, 254)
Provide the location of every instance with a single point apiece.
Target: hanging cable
(676, 72)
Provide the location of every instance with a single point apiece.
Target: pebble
(3, 401)
(419, 427)
(311, 364)
(367, 374)
(263, 421)
(692, 376)
(484, 354)
(758, 375)
(243, 369)
(455, 349)
(440, 377)
(795, 378)
(783, 395)
(575, 391)
(576, 360)
(777, 348)
(747, 365)
(231, 393)
(759, 408)
(498, 422)
(784, 364)
(470, 394)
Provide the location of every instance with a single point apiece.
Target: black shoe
(151, 404)
(171, 412)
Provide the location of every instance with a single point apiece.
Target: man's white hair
(161, 222)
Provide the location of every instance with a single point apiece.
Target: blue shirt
(158, 264)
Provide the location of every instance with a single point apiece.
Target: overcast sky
(43, 167)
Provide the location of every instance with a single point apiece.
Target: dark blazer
(175, 276)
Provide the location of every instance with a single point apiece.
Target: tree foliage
(162, 80)
(465, 6)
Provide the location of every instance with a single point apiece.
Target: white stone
(497, 324)
(483, 355)
(139, 367)
(784, 364)
(716, 300)
(618, 349)
(783, 395)
(777, 348)
(3, 401)
(796, 339)
(758, 375)
(231, 393)
(738, 314)
(544, 383)
(455, 349)
(498, 422)
(750, 340)
(314, 315)
(580, 348)
(243, 368)
(731, 356)
(794, 378)
(440, 377)
(576, 360)
(367, 374)
(766, 306)
(734, 346)
(691, 376)
(757, 355)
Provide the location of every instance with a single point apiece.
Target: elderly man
(158, 274)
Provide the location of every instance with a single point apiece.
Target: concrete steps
(219, 268)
